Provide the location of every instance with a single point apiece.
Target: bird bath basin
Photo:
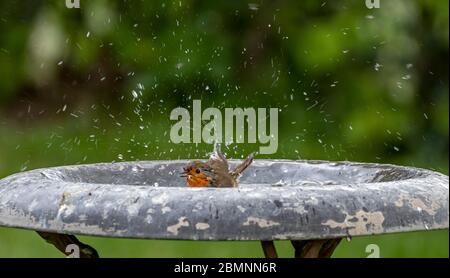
(312, 203)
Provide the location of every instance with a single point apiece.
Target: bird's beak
(184, 174)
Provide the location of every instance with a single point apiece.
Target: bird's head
(198, 174)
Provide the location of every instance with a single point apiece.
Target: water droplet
(377, 66)
(134, 94)
(406, 77)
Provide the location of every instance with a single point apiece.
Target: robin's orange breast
(198, 181)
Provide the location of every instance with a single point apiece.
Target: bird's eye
(197, 171)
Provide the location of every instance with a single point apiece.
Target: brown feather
(241, 167)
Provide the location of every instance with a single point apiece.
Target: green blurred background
(352, 84)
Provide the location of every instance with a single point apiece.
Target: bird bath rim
(61, 200)
(75, 173)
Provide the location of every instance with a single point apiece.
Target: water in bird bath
(275, 173)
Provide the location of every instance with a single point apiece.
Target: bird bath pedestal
(311, 203)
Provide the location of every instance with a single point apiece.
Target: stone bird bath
(311, 203)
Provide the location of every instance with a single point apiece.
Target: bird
(215, 172)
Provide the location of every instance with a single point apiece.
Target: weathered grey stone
(276, 199)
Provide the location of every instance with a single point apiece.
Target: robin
(215, 172)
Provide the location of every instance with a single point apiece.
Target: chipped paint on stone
(161, 199)
(260, 222)
(182, 222)
(65, 210)
(360, 223)
(241, 208)
(198, 207)
(399, 202)
(298, 208)
(313, 201)
(166, 210)
(133, 209)
(202, 226)
(418, 204)
(148, 219)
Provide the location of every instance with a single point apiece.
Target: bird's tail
(241, 167)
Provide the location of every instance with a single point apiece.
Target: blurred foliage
(351, 83)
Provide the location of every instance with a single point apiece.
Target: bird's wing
(217, 160)
(241, 167)
(219, 165)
